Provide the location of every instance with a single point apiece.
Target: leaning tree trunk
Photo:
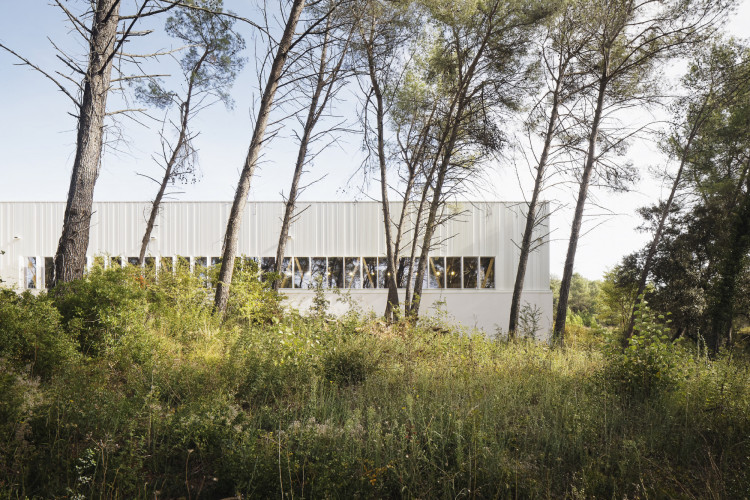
(243, 187)
(643, 278)
(181, 139)
(70, 258)
(313, 113)
(531, 215)
(575, 230)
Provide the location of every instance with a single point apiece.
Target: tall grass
(126, 388)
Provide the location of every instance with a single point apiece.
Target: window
(286, 273)
(215, 261)
(402, 273)
(150, 263)
(167, 264)
(318, 271)
(200, 262)
(99, 261)
(133, 261)
(470, 272)
(335, 272)
(30, 273)
(453, 272)
(370, 272)
(49, 271)
(115, 261)
(302, 272)
(383, 273)
(267, 266)
(487, 272)
(352, 277)
(437, 272)
(183, 263)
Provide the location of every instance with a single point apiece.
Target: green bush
(648, 364)
(31, 334)
(103, 306)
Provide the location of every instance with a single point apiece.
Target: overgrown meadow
(115, 386)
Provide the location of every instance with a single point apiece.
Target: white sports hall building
(471, 271)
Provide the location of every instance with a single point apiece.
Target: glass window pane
(286, 273)
(183, 263)
(166, 264)
(352, 273)
(99, 261)
(115, 261)
(267, 265)
(150, 264)
(200, 262)
(487, 272)
(301, 272)
(318, 271)
(437, 272)
(49, 271)
(453, 272)
(133, 261)
(402, 274)
(370, 272)
(382, 272)
(215, 261)
(30, 272)
(251, 265)
(470, 272)
(335, 272)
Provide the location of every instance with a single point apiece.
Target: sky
(37, 141)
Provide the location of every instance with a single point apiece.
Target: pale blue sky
(37, 143)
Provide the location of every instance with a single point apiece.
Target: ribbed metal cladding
(334, 229)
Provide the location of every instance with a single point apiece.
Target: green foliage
(31, 336)
(648, 364)
(348, 408)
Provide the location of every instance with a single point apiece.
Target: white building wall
(324, 229)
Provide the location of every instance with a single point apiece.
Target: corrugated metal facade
(324, 229)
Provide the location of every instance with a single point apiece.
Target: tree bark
(243, 187)
(70, 257)
(562, 304)
(531, 215)
(185, 114)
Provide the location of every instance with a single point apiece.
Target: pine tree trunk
(243, 187)
(313, 113)
(70, 257)
(181, 139)
(531, 215)
(562, 304)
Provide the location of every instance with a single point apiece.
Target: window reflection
(352, 273)
(453, 272)
(318, 271)
(267, 266)
(402, 274)
(370, 272)
(383, 272)
(115, 261)
(167, 264)
(487, 272)
(470, 272)
(133, 261)
(301, 272)
(215, 261)
(437, 272)
(49, 271)
(286, 273)
(30, 272)
(335, 272)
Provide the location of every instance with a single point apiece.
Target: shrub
(31, 335)
(102, 306)
(648, 363)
